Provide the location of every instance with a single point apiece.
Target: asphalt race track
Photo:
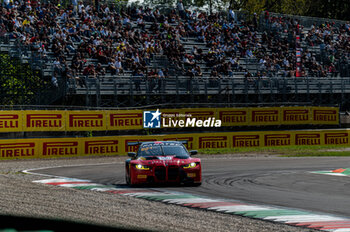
(264, 180)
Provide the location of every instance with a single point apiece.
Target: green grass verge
(290, 151)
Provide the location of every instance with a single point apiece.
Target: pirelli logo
(44, 120)
(265, 116)
(295, 115)
(277, 140)
(188, 145)
(60, 148)
(125, 120)
(85, 120)
(213, 142)
(336, 138)
(9, 121)
(17, 149)
(325, 115)
(308, 139)
(246, 141)
(201, 115)
(101, 147)
(233, 116)
(135, 147)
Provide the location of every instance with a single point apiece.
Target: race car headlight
(142, 167)
(190, 165)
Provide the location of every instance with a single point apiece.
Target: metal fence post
(177, 89)
(308, 88)
(331, 100)
(284, 89)
(319, 92)
(296, 89)
(87, 101)
(131, 92)
(233, 89)
(98, 93)
(115, 92)
(258, 90)
(343, 100)
(246, 89)
(272, 97)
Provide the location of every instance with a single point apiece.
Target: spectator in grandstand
(138, 77)
(75, 5)
(231, 15)
(152, 77)
(90, 72)
(112, 39)
(100, 71)
(54, 81)
(57, 66)
(181, 9)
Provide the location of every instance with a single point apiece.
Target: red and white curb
(331, 173)
(289, 216)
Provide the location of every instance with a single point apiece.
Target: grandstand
(140, 56)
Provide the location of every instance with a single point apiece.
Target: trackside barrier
(117, 145)
(51, 120)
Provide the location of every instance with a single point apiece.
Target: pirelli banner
(49, 120)
(118, 145)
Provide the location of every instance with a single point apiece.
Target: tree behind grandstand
(317, 8)
(18, 82)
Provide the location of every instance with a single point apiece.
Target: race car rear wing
(133, 143)
(183, 141)
(138, 142)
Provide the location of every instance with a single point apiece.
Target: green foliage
(296, 7)
(254, 6)
(18, 83)
(317, 8)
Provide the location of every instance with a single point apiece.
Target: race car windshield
(160, 150)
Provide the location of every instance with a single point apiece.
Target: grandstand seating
(323, 55)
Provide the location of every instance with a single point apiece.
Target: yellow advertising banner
(11, 121)
(325, 115)
(86, 120)
(265, 116)
(102, 146)
(124, 120)
(247, 139)
(296, 115)
(308, 138)
(55, 120)
(40, 120)
(59, 147)
(233, 116)
(213, 140)
(119, 145)
(19, 149)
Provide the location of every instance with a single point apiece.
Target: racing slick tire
(197, 184)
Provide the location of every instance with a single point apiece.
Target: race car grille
(173, 172)
(160, 173)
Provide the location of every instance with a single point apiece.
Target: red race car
(163, 162)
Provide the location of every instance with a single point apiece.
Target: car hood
(164, 158)
(167, 160)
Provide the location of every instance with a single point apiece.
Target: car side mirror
(132, 154)
(193, 152)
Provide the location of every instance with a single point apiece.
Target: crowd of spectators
(127, 40)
